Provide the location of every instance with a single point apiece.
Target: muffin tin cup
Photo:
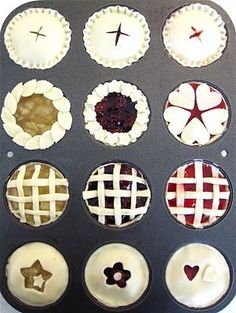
(156, 153)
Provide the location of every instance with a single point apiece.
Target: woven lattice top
(37, 193)
(117, 194)
(198, 194)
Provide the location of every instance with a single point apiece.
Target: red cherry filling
(116, 113)
(191, 272)
(124, 185)
(207, 171)
(117, 275)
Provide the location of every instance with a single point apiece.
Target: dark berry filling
(191, 272)
(116, 113)
(124, 185)
(120, 279)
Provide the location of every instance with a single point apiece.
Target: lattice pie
(37, 194)
(117, 194)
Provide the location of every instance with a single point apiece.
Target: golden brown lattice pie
(37, 194)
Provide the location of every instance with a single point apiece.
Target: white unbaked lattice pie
(198, 194)
(198, 276)
(37, 38)
(36, 114)
(116, 113)
(116, 275)
(196, 113)
(116, 36)
(195, 35)
(117, 194)
(37, 194)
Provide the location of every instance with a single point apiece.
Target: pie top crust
(59, 114)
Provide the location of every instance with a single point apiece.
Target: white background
(6, 6)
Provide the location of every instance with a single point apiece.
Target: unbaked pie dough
(196, 113)
(116, 275)
(117, 194)
(197, 275)
(37, 194)
(37, 38)
(116, 36)
(198, 194)
(36, 114)
(116, 113)
(37, 274)
(195, 35)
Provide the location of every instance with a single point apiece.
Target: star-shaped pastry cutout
(35, 276)
(117, 275)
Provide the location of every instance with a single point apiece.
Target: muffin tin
(157, 154)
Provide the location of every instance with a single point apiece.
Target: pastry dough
(197, 275)
(37, 194)
(37, 38)
(198, 194)
(41, 130)
(117, 194)
(116, 36)
(37, 274)
(112, 264)
(195, 35)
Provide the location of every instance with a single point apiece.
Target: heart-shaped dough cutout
(177, 119)
(207, 99)
(210, 275)
(214, 119)
(194, 132)
(183, 98)
(191, 272)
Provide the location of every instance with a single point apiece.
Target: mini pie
(117, 194)
(195, 35)
(116, 275)
(36, 114)
(116, 113)
(116, 36)
(197, 275)
(37, 194)
(196, 113)
(198, 194)
(37, 274)
(37, 38)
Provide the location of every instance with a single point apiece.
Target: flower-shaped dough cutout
(36, 114)
(196, 113)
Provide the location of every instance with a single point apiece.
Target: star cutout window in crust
(117, 275)
(35, 276)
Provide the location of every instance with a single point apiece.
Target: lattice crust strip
(134, 212)
(199, 208)
(31, 201)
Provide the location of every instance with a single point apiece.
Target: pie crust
(117, 195)
(37, 194)
(124, 262)
(116, 36)
(37, 274)
(37, 38)
(198, 194)
(197, 275)
(196, 113)
(49, 137)
(195, 35)
(141, 106)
